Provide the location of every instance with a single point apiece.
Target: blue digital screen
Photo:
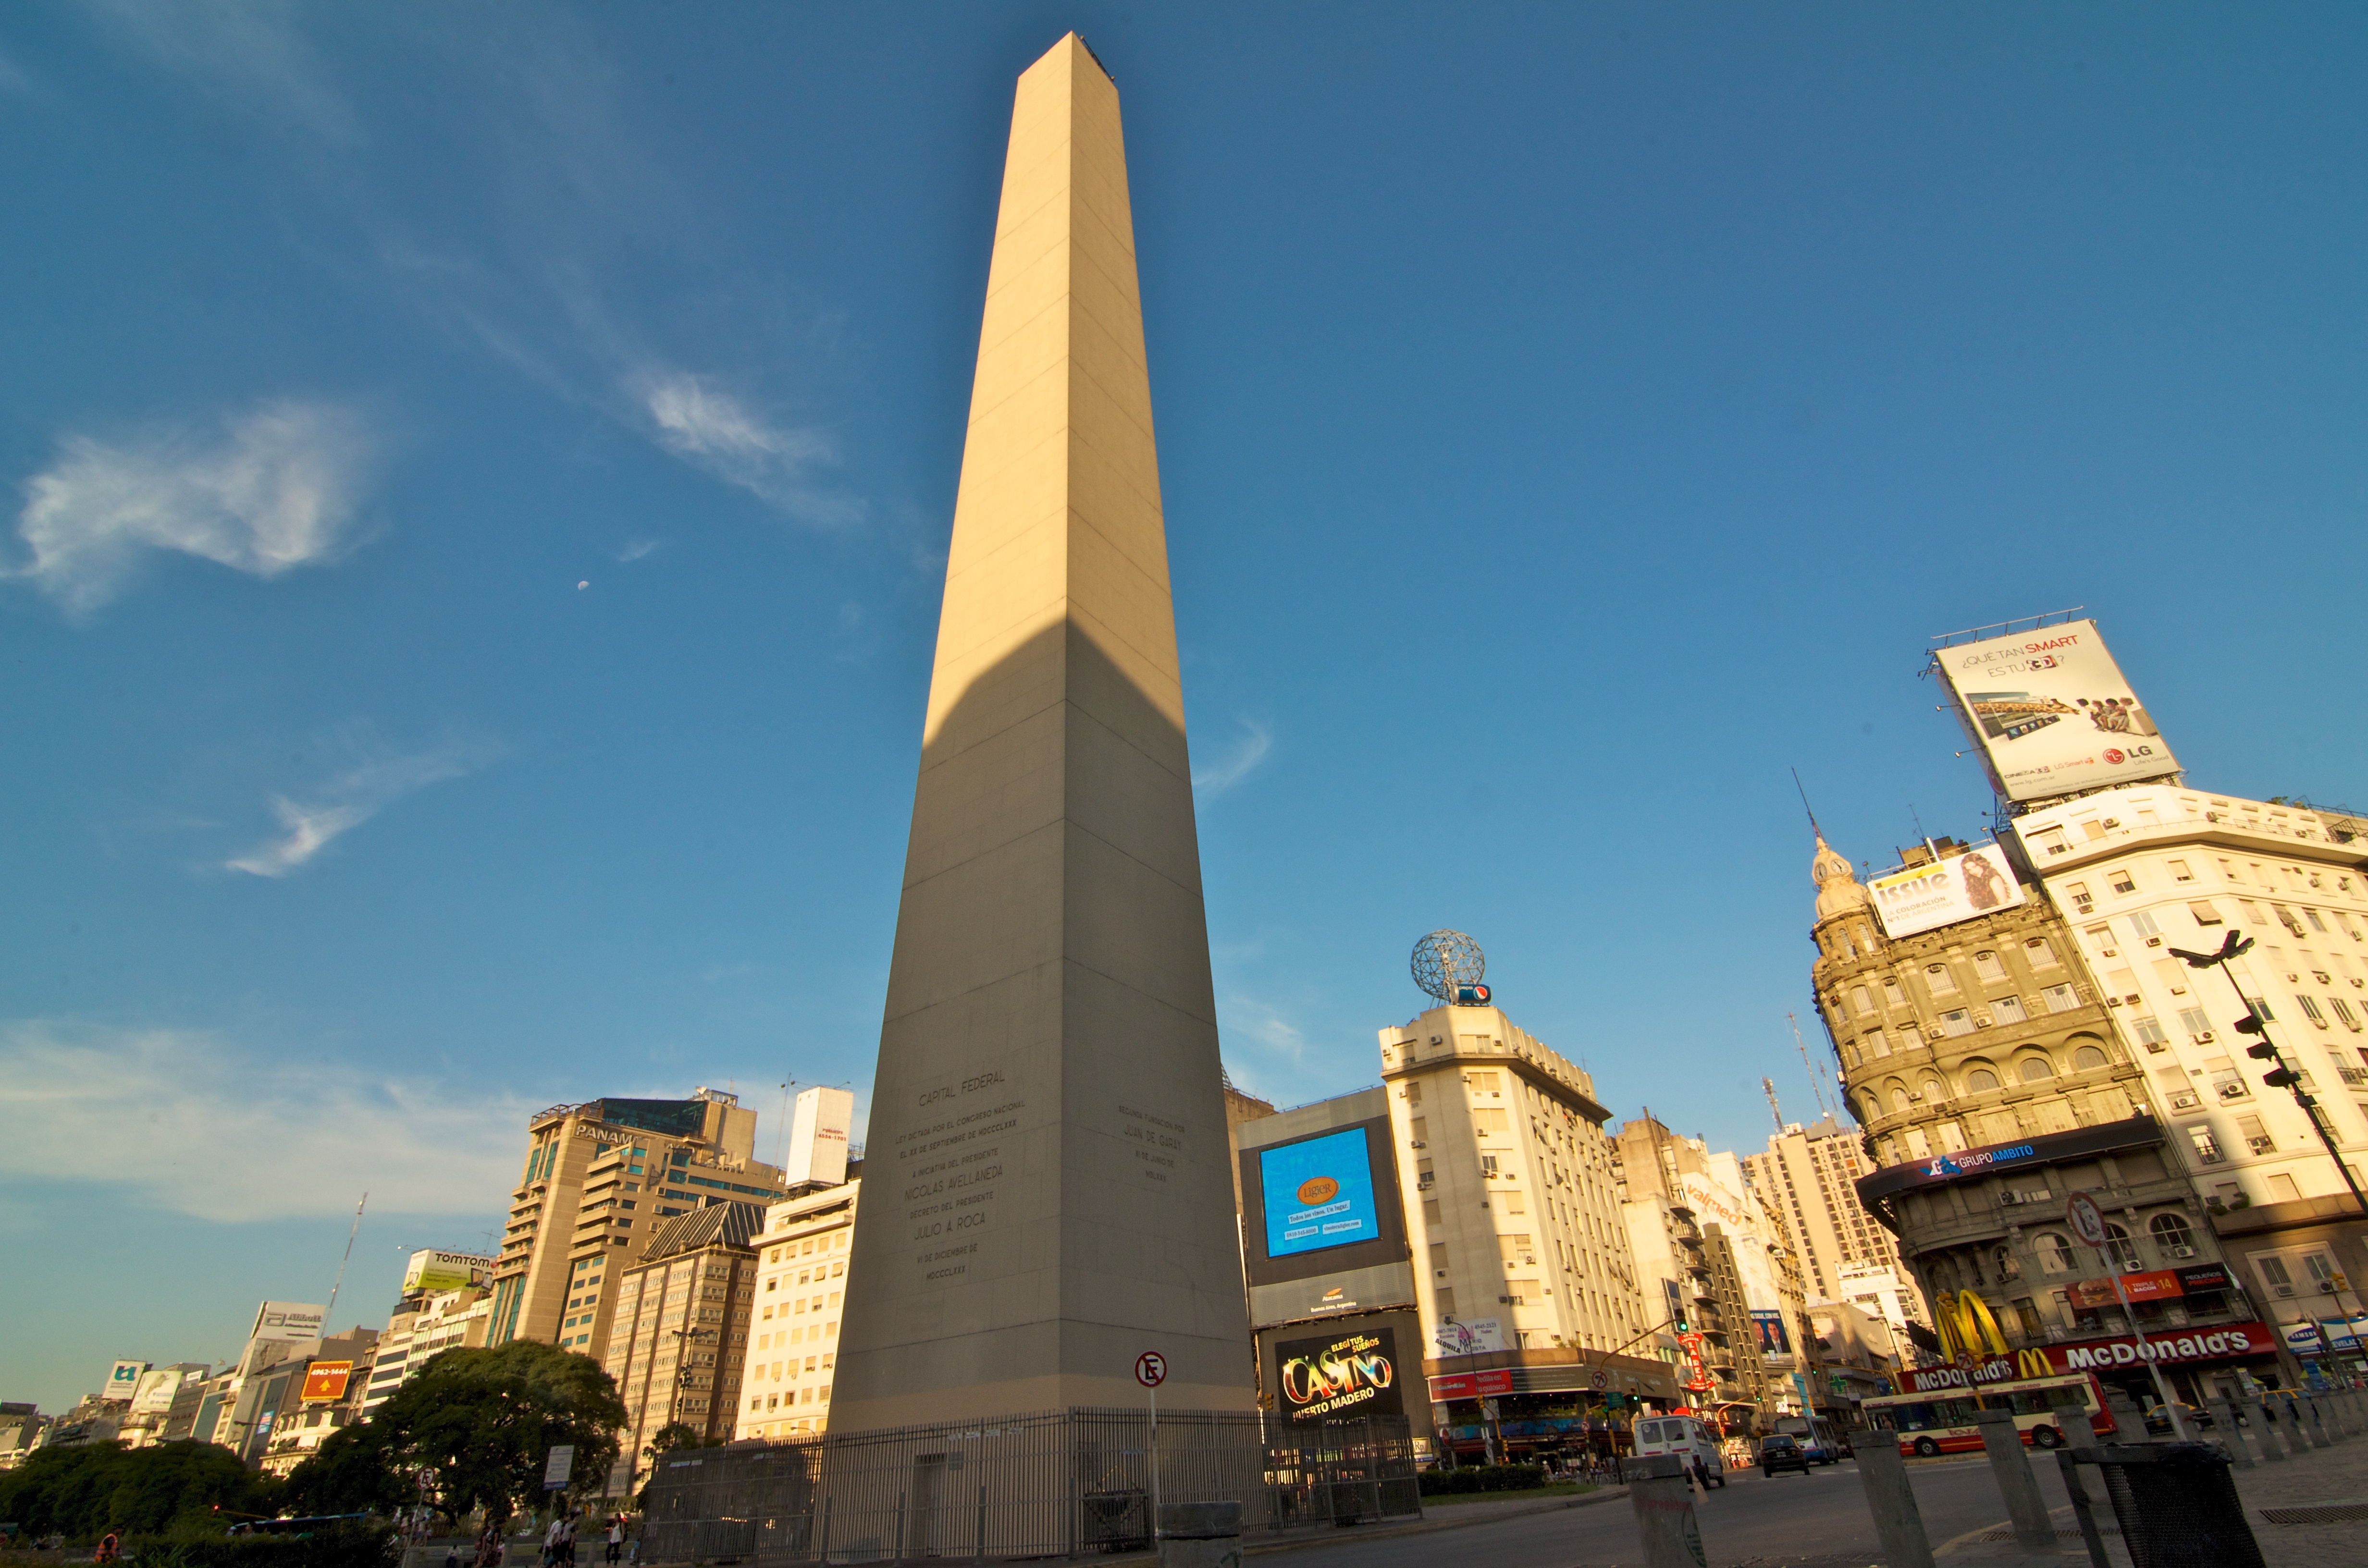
(1318, 1194)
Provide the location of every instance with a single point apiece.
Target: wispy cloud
(192, 1123)
(1259, 1020)
(245, 52)
(352, 798)
(633, 550)
(275, 490)
(1237, 763)
(706, 425)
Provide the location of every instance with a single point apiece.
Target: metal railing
(1053, 1483)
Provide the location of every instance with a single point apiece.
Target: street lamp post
(2283, 1076)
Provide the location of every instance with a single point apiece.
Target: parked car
(1779, 1452)
(2157, 1418)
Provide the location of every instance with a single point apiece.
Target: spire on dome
(1838, 888)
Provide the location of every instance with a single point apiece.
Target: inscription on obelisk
(1047, 1192)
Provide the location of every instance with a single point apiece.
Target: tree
(85, 1491)
(478, 1424)
(350, 1473)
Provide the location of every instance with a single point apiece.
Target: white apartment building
(1502, 1153)
(2145, 868)
(794, 1332)
(1807, 1183)
(441, 1321)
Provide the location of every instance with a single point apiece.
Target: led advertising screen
(1954, 888)
(1330, 1379)
(1319, 1194)
(325, 1381)
(2052, 712)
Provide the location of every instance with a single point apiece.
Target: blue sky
(478, 480)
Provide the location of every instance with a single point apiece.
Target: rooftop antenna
(1806, 1065)
(1922, 834)
(1767, 1086)
(782, 1148)
(329, 1312)
(1804, 800)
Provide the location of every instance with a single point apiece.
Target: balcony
(2261, 1145)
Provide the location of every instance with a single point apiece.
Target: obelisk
(1046, 1194)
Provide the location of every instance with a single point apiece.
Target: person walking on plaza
(616, 1540)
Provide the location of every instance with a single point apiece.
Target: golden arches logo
(1968, 1328)
(2033, 1364)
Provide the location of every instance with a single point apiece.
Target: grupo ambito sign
(2002, 1159)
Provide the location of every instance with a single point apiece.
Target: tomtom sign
(2053, 713)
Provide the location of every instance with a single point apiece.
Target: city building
(2146, 870)
(1992, 1084)
(601, 1180)
(682, 1325)
(327, 1395)
(1718, 1269)
(423, 1324)
(1806, 1182)
(1329, 1263)
(803, 1253)
(1523, 1276)
(20, 1430)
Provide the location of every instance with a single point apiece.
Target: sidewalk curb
(1430, 1524)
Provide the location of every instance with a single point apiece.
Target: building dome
(1838, 888)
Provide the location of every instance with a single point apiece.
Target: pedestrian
(550, 1540)
(452, 1555)
(109, 1550)
(1702, 1475)
(616, 1540)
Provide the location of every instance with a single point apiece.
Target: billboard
(286, 1322)
(1481, 1337)
(1353, 1374)
(1954, 888)
(818, 1132)
(2052, 712)
(123, 1380)
(431, 1270)
(156, 1391)
(325, 1381)
(1318, 1193)
(1774, 1340)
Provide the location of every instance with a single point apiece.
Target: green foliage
(83, 1492)
(343, 1546)
(478, 1424)
(672, 1435)
(350, 1473)
(1483, 1478)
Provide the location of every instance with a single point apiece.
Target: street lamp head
(2234, 946)
(2195, 961)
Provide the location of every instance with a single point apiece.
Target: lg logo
(2116, 755)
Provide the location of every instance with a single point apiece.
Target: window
(2120, 880)
(1861, 998)
(2273, 1273)
(1986, 965)
(2033, 1068)
(2172, 1234)
(2310, 1010)
(1900, 1101)
(1892, 993)
(2177, 1089)
(2343, 1012)
(2204, 914)
(2256, 1136)
(1981, 1081)
(2143, 923)
(2207, 1148)
(1958, 1022)
(2054, 1253)
(1878, 1044)
(2180, 873)
(2101, 939)
(2286, 918)
(2041, 955)
(2150, 1031)
(2316, 924)
(2010, 1010)
(2082, 901)
(2060, 999)
(1937, 977)
(2086, 1057)
(2120, 1248)
(2195, 1021)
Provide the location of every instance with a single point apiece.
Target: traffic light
(2261, 1049)
(2249, 1024)
(2283, 1078)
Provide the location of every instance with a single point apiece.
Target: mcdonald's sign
(1968, 1330)
(2033, 1364)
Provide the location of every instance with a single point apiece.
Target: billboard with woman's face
(1944, 892)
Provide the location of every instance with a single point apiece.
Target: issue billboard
(2053, 713)
(1944, 892)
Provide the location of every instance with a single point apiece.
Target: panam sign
(1944, 892)
(2052, 712)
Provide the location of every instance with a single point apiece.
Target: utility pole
(1768, 1087)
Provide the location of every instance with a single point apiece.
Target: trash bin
(2176, 1505)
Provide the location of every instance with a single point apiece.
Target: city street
(1817, 1521)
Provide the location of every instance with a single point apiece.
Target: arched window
(2172, 1234)
(1937, 976)
(2055, 1252)
(2035, 1068)
(1935, 1091)
(2088, 1056)
(1899, 1100)
(1980, 1081)
(2124, 1251)
(1986, 965)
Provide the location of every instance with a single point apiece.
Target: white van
(1685, 1437)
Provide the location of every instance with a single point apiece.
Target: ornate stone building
(1979, 1059)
